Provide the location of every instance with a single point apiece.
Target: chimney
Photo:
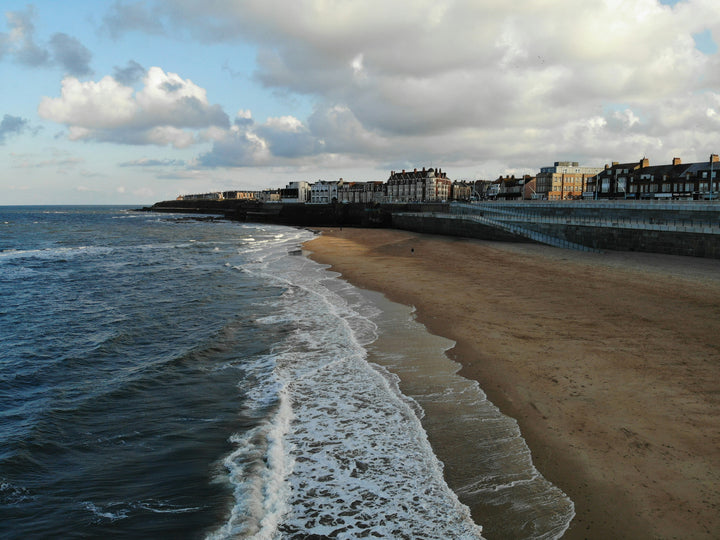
(644, 162)
(607, 166)
(676, 161)
(714, 158)
(615, 163)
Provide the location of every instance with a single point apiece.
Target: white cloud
(166, 111)
(105, 104)
(463, 80)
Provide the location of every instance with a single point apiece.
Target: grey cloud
(290, 144)
(238, 150)
(244, 122)
(171, 87)
(72, 55)
(130, 74)
(11, 125)
(24, 48)
(126, 17)
(192, 113)
(32, 55)
(63, 50)
(146, 162)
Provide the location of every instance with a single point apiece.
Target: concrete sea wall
(688, 228)
(676, 228)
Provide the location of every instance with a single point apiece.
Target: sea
(177, 376)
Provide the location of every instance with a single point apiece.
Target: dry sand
(609, 362)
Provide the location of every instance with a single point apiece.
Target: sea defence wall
(686, 228)
(675, 228)
(299, 214)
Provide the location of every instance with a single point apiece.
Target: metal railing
(512, 229)
(708, 223)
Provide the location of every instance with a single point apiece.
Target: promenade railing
(707, 222)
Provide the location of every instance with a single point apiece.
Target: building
(212, 196)
(269, 195)
(564, 180)
(427, 185)
(240, 195)
(325, 192)
(362, 192)
(462, 190)
(509, 187)
(482, 188)
(640, 180)
(295, 192)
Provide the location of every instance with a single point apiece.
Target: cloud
(148, 162)
(52, 158)
(465, 80)
(130, 74)
(72, 55)
(124, 17)
(20, 42)
(238, 148)
(11, 125)
(63, 50)
(166, 111)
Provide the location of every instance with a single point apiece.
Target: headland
(610, 362)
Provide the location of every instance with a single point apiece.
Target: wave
(345, 453)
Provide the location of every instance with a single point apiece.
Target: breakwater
(675, 228)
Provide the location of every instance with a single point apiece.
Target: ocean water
(163, 376)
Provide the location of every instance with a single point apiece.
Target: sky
(137, 101)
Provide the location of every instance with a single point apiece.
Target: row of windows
(670, 188)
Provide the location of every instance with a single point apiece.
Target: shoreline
(609, 363)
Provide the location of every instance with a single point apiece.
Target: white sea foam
(488, 463)
(115, 511)
(345, 454)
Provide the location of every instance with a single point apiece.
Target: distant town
(565, 180)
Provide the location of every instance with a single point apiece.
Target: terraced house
(640, 180)
(427, 185)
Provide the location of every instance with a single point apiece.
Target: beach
(609, 362)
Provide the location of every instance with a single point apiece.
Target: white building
(325, 192)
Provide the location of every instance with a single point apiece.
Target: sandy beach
(609, 362)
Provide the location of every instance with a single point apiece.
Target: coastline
(609, 362)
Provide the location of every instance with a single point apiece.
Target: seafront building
(564, 180)
(510, 188)
(298, 192)
(362, 192)
(324, 192)
(427, 185)
(640, 180)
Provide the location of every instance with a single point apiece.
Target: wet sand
(609, 362)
